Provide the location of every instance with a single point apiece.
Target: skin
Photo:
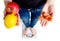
(47, 10)
(10, 11)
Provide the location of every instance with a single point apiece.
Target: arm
(49, 3)
(4, 14)
(6, 1)
(51, 7)
(17, 19)
(48, 8)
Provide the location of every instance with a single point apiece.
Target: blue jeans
(25, 16)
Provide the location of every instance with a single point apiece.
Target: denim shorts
(25, 16)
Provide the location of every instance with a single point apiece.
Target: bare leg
(33, 31)
(25, 32)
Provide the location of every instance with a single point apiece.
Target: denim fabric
(25, 16)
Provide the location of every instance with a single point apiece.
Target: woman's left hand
(47, 11)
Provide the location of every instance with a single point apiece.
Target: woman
(36, 7)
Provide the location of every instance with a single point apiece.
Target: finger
(41, 21)
(50, 10)
(42, 24)
(43, 13)
(45, 23)
(51, 13)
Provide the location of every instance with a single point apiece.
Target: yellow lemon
(10, 21)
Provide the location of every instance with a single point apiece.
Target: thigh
(35, 13)
(24, 13)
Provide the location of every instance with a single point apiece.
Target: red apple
(12, 7)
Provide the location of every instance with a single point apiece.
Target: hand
(46, 15)
(17, 24)
(4, 14)
(43, 20)
(51, 10)
(17, 15)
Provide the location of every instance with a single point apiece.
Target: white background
(49, 33)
